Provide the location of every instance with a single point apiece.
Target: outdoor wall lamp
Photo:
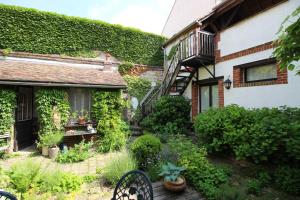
(227, 83)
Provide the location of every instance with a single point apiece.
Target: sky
(146, 15)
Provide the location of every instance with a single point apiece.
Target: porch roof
(52, 73)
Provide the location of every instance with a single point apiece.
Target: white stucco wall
(256, 30)
(188, 91)
(260, 96)
(185, 12)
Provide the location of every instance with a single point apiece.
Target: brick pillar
(195, 96)
(221, 93)
(217, 50)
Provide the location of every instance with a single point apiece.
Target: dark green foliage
(288, 179)
(146, 149)
(254, 186)
(79, 152)
(50, 99)
(30, 30)
(137, 86)
(106, 110)
(199, 172)
(228, 192)
(125, 68)
(7, 105)
(259, 134)
(288, 44)
(171, 115)
(153, 172)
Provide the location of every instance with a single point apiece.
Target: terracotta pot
(45, 151)
(177, 186)
(81, 121)
(53, 152)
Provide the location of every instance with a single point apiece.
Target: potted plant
(83, 117)
(43, 143)
(54, 139)
(173, 180)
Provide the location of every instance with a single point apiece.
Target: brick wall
(221, 92)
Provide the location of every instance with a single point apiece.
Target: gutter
(50, 84)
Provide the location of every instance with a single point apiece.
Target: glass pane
(261, 72)
(80, 100)
(215, 96)
(204, 98)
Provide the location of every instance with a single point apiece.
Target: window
(80, 100)
(261, 73)
(209, 97)
(24, 110)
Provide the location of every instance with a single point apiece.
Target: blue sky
(147, 15)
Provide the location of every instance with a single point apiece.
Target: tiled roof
(55, 73)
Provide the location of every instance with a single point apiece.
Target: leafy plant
(79, 152)
(254, 186)
(287, 45)
(171, 172)
(146, 150)
(7, 105)
(153, 171)
(6, 51)
(137, 86)
(77, 35)
(90, 178)
(228, 192)
(117, 166)
(287, 178)
(52, 139)
(125, 68)
(171, 115)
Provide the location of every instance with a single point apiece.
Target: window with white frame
(80, 100)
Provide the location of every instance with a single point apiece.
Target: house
(26, 73)
(225, 57)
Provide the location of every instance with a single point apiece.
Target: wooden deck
(160, 193)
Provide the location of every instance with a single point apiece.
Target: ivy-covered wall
(30, 30)
(7, 105)
(53, 108)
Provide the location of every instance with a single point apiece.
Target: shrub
(90, 178)
(171, 115)
(254, 186)
(79, 152)
(288, 179)
(137, 86)
(153, 171)
(199, 172)
(4, 179)
(50, 33)
(117, 166)
(146, 150)
(60, 182)
(228, 192)
(265, 134)
(24, 175)
(125, 68)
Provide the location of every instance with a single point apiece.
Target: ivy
(172, 52)
(137, 87)
(49, 101)
(287, 51)
(7, 105)
(125, 68)
(30, 30)
(106, 110)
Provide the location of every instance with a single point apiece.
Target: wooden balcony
(192, 52)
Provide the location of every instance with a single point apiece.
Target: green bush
(228, 192)
(30, 30)
(146, 149)
(7, 105)
(199, 172)
(60, 182)
(125, 68)
(106, 110)
(254, 186)
(79, 152)
(171, 115)
(288, 179)
(117, 166)
(265, 134)
(137, 86)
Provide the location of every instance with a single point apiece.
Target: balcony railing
(198, 45)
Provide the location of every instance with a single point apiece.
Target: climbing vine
(106, 110)
(50, 102)
(7, 105)
(137, 86)
(125, 68)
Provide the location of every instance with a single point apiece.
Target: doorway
(24, 118)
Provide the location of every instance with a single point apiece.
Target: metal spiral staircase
(194, 51)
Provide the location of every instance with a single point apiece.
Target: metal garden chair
(6, 196)
(134, 185)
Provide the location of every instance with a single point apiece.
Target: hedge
(267, 134)
(30, 30)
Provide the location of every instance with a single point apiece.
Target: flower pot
(177, 186)
(81, 121)
(53, 152)
(45, 151)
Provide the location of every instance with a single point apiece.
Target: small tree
(287, 50)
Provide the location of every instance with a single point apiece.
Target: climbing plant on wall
(50, 102)
(107, 111)
(137, 86)
(30, 30)
(7, 105)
